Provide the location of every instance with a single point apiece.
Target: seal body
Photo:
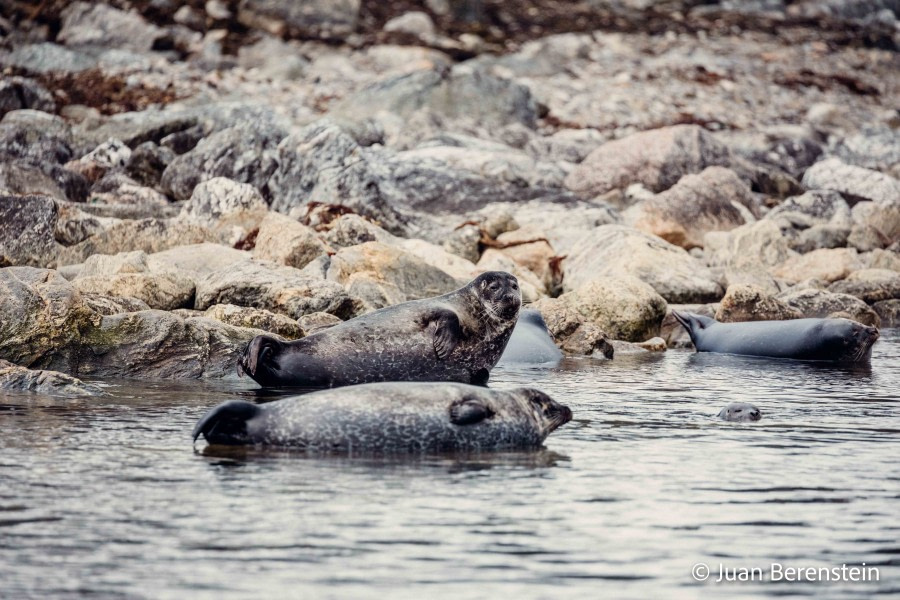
(455, 337)
(740, 412)
(531, 343)
(833, 340)
(391, 417)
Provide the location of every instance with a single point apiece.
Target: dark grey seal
(740, 412)
(391, 417)
(834, 340)
(531, 343)
(455, 337)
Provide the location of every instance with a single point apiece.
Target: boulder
(614, 250)
(257, 318)
(889, 312)
(27, 231)
(17, 93)
(74, 225)
(51, 383)
(624, 307)
(573, 332)
(352, 229)
(110, 305)
(438, 257)
(285, 241)
(229, 209)
(881, 259)
(854, 183)
(825, 264)
(869, 285)
(714, 200)
(88, 24)
(876, 148)
(163, 291)
(111, 154)
(751, 247)
(147, 163)
(816, 219)
(318, 321)
(323, 18)
(752, 303)
(149, 235)
(879, 221)
(197, 260)
(657, 158)
(414, 22)
(821, 304)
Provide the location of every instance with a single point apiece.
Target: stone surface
(816, 219)
(256, 318)
(27, 231)
(854, 183)
(324, 18)
(889, 312)
(752, 303)
(657, 158)
(163, 291)
(229, 209)
(751, 247)
(880, 219)
(528, 246)
(821, 304)
(285, 241)
(21, 92)
(87, 24)
(317, 321)
(869, 285)
(52, 383)
(825, 264)
(149, 235)
(614, 250)
(109, 305)
(74, 225)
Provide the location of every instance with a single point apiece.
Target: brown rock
(751, 303)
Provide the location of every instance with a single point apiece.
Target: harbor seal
(531, 343)
(391, 417)
(455, 337)
(833, 340)
(740, 412)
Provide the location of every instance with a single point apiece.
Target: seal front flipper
(446, 331)
(227, 423)
(469, 411)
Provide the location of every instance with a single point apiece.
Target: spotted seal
(834, 340)
(531, 343)
(455, 337)
(740, 412)
(391, 417)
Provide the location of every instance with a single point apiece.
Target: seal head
(740, 412)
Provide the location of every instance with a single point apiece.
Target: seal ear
(468, 411)
(446, 332)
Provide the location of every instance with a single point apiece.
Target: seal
(391, 418)
(833, 340)
(531, 343)
(740, 412)
(455, 337)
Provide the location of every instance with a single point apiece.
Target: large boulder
(21, 92)
(752, 303)
(624, 307)
(657, 159)
(27, 231)
(196, 260)
(751, 247)
(816, 219)
(572, 331)
(229, 209)
(89, 24)
(149, 235)
(714, 200)
(827, 264)
(256, 318)
(869, 285)
(323, 18)
(821, 304)
(614, 250)
(854, 183)
(288, 242)
(51, 383)
(163, 291)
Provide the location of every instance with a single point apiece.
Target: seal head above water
(391, 417)
(740, 412)
(833, 340)
(455, 337)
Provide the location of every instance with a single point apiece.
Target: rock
(21, 92)
(244, 153)
(528, 246)
(794, 153)
(45, 57)
(317, 321)
(826, 264)
(321, 18)
(116, 188)
(52, 383)
(881, 259)
(465, 242)
(196, 260)
(877, 149)
(135, 128)
(85, 24)
(437, 257)
(147, 163)
(351, 229)
(854, 183)
(614, 250)
(624, 307)
(751, 303)
(620, 347)
(163, 291)
(111, 154)
(714, 200)
(109, 305)
(751, 247)
(229, 209)
(256, 318)
(821, 304)
(889, 312)
(263, 284)
(414, 22)
(869, 285)
(657, 158)
(816, 219)
(880, 220)
(573, 332)
(671, 330)
(285, 241)
(27, 231)
(149, 235)
(654, 344)
(821, 237)
(570, 145)
(383, 275)
(865, 237)
(104, 265)
(43, 315)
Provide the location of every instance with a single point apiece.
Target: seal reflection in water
(455, 337)
(833, 340)
(391, 417)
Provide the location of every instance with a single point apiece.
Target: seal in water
(455, 337)
(740, 412)
(531, 342)
(835, 340)
(391, 417)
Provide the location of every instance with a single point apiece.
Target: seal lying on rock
(740, 412)
(531, 342)
(455, 337)
(391, 417)
(834, 340)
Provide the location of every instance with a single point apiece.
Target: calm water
(106, 498)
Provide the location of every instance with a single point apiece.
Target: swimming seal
(833, 340)
(455, 337)
(391, 417)
(531, 343)
(740, 412)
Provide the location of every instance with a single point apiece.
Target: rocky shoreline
(176, 178)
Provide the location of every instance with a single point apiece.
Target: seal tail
(227, 423)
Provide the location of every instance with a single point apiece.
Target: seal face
(740, 412)
(531, 343)
(455, 337)
(391, 417)
(833, 340)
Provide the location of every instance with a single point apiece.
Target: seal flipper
(446, 331)
(227, 423)
(692, 323)
(469, 411)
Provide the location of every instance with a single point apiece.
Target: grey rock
(752, 303)
(44, 57)
(163, 291)
(256, 318)
(51, 383)
(229, 209)
(324, 18)
(318, 321)
(149, 235)
(27, 231)
(350, 230)
(75, 225)
(821, 304)
(570, 145)
(751, 247)
(133, 128)
(869, 285)
(32, 157)
(21, 92)
(877, 149)
(854, 183)
(285, 241)
(880, 222)
(889, 312)
(147, 163)
(112, 305)
(86, 24)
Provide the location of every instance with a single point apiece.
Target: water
(106, 498)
